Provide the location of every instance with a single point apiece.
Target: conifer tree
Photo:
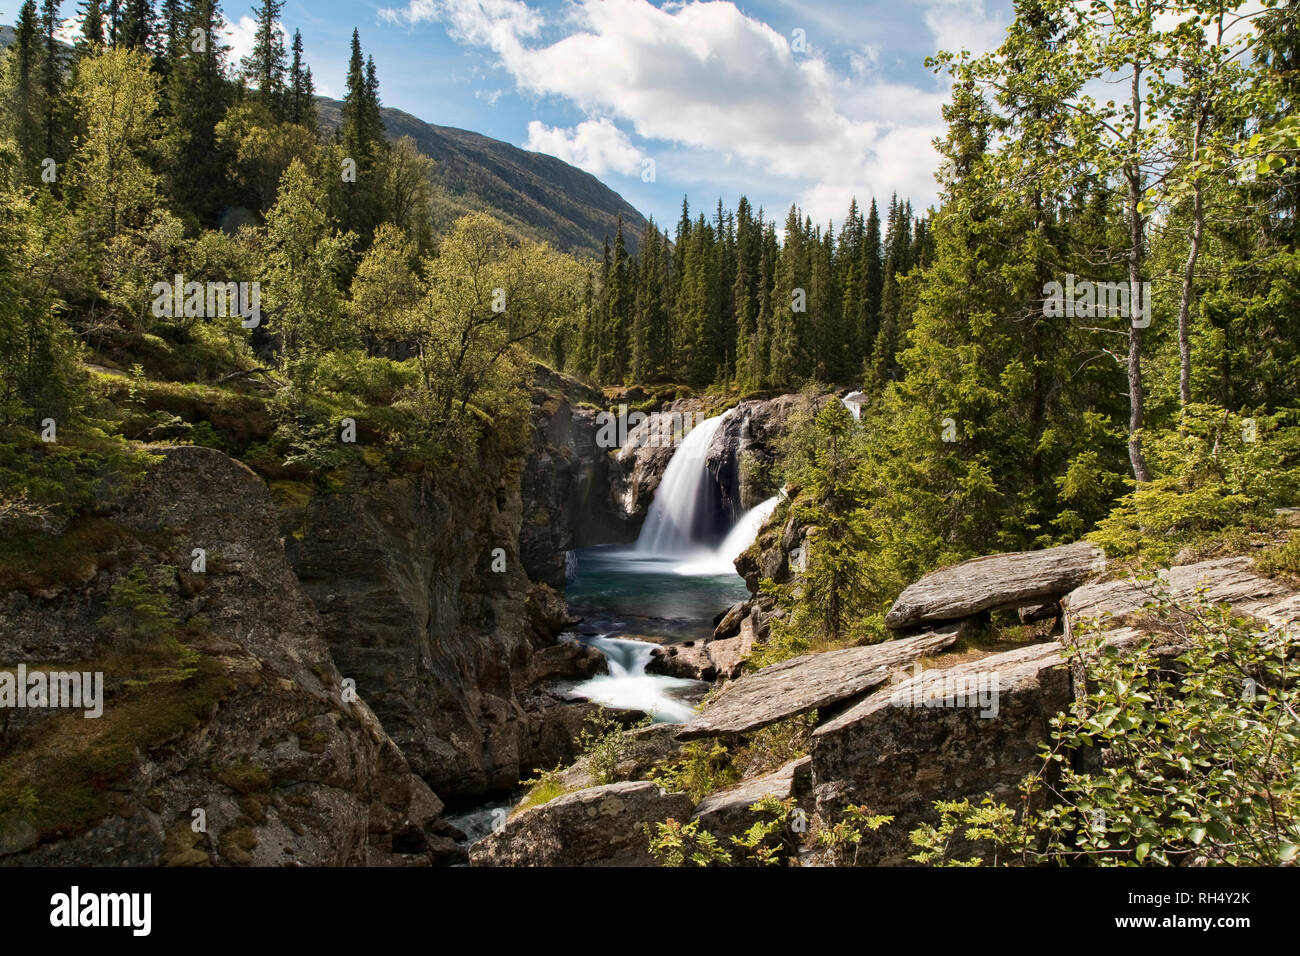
(302, 92)
(264, 66)
(23, 91)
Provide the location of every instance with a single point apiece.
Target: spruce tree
(136, 29)
(265, 64)
(23, 91)
(92, 27)
(302, 102)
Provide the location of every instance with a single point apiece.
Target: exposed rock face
(1223, 581)
(935, 737)
(641, 461)
(601, 826)
(286, 768)
(439, 644)
(749, 432)
(995, 582)
(566, 480)
(807, 683)
(726, 813)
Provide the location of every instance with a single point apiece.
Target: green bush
(1220, 471)
(1199, 759)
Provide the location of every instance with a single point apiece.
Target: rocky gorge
(366, 659)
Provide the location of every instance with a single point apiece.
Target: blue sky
(810, 101)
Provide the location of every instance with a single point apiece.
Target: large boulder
(944, 734)
(718, 659)
(288, 766)
(600, 826)
(995, 582)
(806, 683)
(726, 813)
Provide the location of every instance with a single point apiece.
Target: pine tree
(302, 102)
(23, 91)
(265, 64)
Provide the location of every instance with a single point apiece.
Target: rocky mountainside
(537, 195)
(352, 654)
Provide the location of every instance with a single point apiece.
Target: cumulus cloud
(705, 76)
(963, 25)
(240, 36)
(598, 146)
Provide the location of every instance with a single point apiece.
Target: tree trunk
(1135, 395)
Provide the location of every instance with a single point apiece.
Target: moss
(69, 765)
(182, 846)
(237, 843)
(544, 789)
(33, 561)
(244, 778)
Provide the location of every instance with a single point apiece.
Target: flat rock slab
(727, 813)
(805, 683)
(994, 583)
(949, 733)
(1222, 581)
(600, 826)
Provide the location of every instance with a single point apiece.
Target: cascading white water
(627, 686)
(722, 560)
(684, 494)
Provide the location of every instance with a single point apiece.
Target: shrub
(1200, 759)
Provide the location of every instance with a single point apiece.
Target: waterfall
(854, 402)
(628, 687)
(722, 560)
(684, 508)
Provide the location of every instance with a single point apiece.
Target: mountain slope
(538, 195)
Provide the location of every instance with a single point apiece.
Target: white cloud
(241, 35)
(963, 25)
(598, 146)
(707, 77)
(866, 60)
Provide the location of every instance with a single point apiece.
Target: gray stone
(806, 683)
(932, 737)
(1221, 581)
(600, 826)
(995, 582)
(726, 813)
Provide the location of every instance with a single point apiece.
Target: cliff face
(425, 603)
(566, 480)
(241, 747)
